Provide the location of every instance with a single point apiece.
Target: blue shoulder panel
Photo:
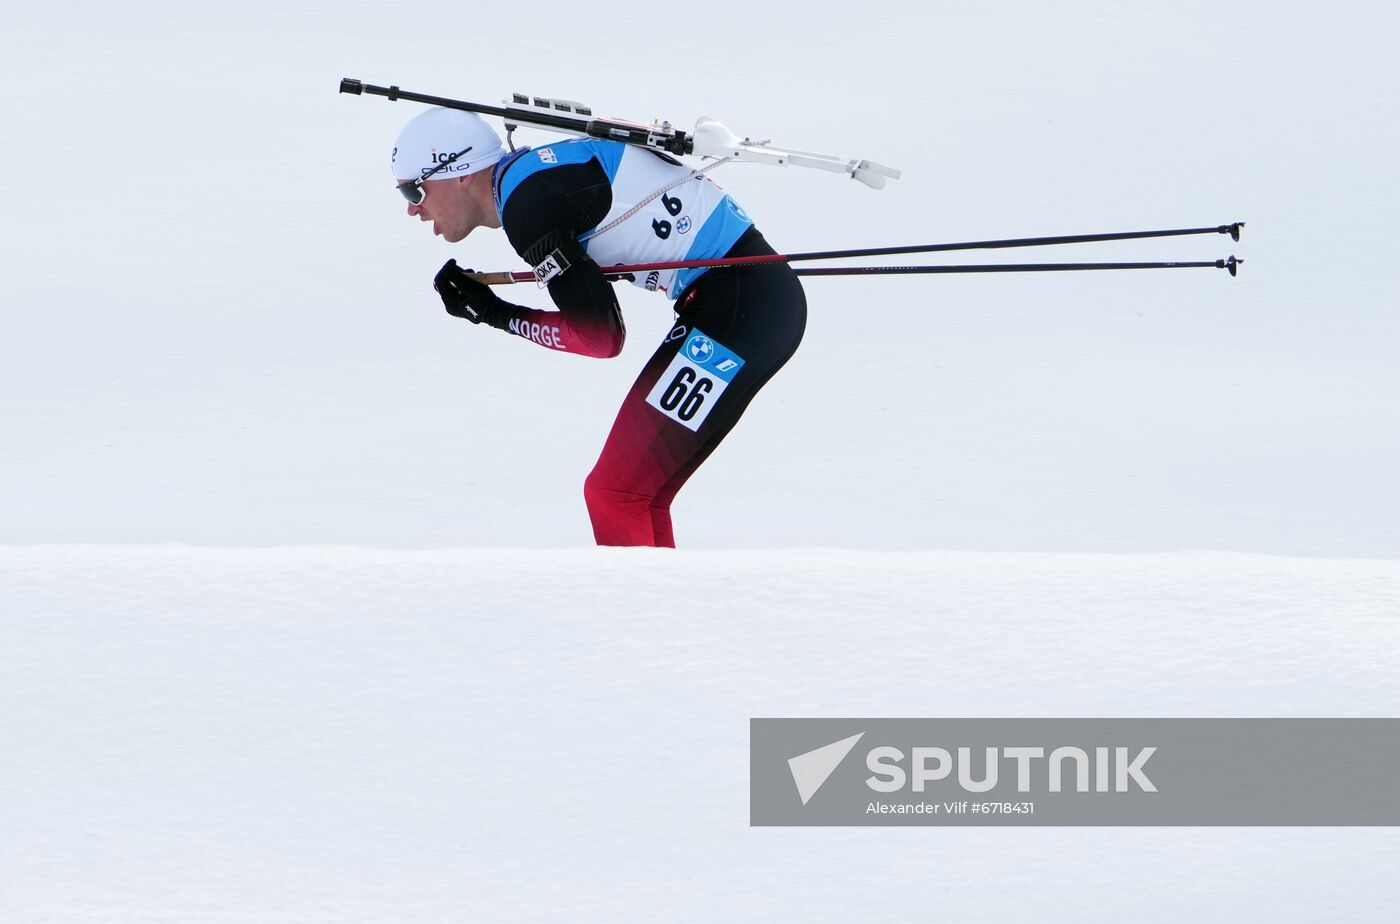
(573, 151)
(499, 172)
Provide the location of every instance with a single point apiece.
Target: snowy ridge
(312, 734)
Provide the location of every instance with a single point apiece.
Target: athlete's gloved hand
(464, 297)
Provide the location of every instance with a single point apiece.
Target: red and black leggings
(757, 313)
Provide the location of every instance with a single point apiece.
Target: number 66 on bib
(700, 372)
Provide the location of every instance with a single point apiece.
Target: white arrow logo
(811, 770)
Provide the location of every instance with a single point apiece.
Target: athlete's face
(454, 205)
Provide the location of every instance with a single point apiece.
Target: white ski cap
(437, 136)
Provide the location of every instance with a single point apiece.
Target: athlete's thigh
(645, 447)
(726, 344)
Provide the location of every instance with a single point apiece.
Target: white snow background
(298, 621)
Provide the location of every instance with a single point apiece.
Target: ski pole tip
(1233, 265)
(1235, 230)
(351, 85)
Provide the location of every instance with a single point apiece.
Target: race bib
(691, 385)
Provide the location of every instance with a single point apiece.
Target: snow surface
(298, 617)
(347, 735)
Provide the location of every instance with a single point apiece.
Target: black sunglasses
(413, 190)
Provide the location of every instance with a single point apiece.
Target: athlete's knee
(601, 493)
(620, 516)
(594, 491)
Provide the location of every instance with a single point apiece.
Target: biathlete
(572, 207)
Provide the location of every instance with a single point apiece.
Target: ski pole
(1232, 229)
(1230, 264)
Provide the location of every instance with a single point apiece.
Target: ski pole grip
(494, 279)
(351, 85)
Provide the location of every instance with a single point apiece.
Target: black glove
(464, 297)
